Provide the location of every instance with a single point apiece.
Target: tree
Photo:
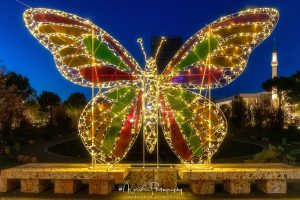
(259, 116)
(76, 100)
(48, 101)
(239, 113)
(12, 110)
(35, 114)
(287, 90)
(74, 106)
(280, 85)
(21, 84)
(226, 109)
(2, 69)
(275, 120)
(62, 122)
(294, 92)
(249, 122)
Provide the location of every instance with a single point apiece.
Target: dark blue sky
(128, 20)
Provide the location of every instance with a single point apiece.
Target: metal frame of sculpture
(131, 99)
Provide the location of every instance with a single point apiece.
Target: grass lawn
(233, 148)
(74, 148)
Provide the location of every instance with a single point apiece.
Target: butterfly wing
(193, 126)
(88, 56)
(84, 53)
(110, 123)
(214, 56)
(217, 54)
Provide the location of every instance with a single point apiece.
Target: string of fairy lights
(130, 99)
(257, 30)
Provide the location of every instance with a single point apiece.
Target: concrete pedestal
(67, 178)
(153, 178)
(34, 185)
(36, 177)
(103, 187)
(272, 186)
(237, 186)
(202, 187)
(8, 184)
(66, 186)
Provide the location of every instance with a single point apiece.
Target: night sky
(128, 20)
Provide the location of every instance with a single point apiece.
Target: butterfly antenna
(162, 40)
(140, 41)
(24, 4)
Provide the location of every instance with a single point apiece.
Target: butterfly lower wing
(110, 123)
(83, 52)
(193, 126)
(218, 53)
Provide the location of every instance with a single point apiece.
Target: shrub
(273, 154)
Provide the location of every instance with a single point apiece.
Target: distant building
(167, 51)
(262, 98)
(274, 64)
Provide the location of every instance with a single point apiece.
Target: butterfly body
(135, 99)
(151, 85)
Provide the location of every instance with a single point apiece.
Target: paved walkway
(39, 150)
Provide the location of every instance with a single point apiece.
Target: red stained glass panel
(125, 134)
(44, 17)
(177, 139)
(104, 74)
(248, 18)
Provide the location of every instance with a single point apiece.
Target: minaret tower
(274, 65)
(274, 62)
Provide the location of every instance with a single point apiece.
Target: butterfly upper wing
(110, 123)
(193, 126)
(83, 52)
(218, 53)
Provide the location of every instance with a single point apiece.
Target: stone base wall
(150, 178)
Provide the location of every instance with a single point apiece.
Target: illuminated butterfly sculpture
(134, 98)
